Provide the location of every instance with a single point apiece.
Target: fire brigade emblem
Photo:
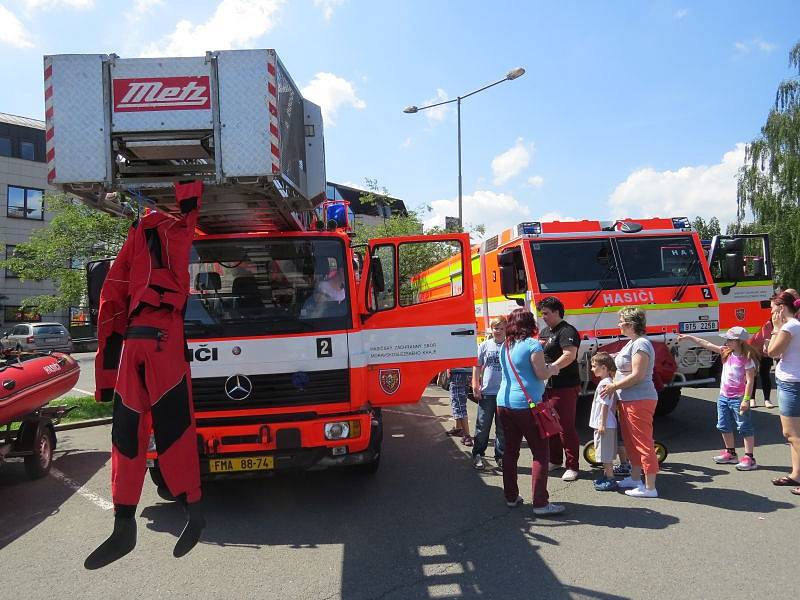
(389, 380)
(740, 312)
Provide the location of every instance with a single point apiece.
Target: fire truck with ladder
(596, 267)
(283, 376)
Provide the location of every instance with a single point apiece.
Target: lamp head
(514, 73)
(410, 109)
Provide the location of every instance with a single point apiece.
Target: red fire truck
(296, 337)
(596, 267)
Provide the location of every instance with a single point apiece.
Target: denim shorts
(788, 398)
(729, 419)
(458, 395)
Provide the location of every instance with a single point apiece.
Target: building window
(10, 253)
(5, 146)
(27, 151)
(25, 203)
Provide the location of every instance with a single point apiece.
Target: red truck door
(416, 319)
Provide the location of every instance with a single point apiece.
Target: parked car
(37, 337)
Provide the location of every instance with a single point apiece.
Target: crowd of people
(526, 378)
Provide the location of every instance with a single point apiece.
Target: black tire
(376, 442)
(38, 464)
(668, 399)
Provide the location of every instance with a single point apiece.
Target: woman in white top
(785, 344)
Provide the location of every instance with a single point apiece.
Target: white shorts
(605, 445)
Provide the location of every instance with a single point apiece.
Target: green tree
(58, 251)
(707, 230)
(769, 181)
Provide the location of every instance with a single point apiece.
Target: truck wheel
(161, 486)
(668, 399)
(376, 442)
(38, 464)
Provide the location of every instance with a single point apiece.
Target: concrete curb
(82, 424)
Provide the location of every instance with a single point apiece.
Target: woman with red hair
(524, 372)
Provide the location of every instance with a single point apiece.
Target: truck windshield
(242, 287)
(574, 265)
(659, 261)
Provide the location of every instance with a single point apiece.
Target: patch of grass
(87, 408)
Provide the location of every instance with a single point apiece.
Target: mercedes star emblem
(238, 387)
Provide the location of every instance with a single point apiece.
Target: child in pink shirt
(739, 361)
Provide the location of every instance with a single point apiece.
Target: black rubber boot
(121, 541)
(191, 532)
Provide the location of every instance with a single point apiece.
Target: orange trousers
(637, 432)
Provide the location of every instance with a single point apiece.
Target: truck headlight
(337, 431)
(341, 430)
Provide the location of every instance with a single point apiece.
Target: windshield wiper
(685, 283)
(598, 290)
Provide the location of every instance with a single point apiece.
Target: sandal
(795, 491)
(785, 481)
(455, 431)
(768, 404)
(753, 404)
(467, 440)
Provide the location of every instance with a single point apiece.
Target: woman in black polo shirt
(561, 342)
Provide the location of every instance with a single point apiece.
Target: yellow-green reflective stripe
(765, 282)
(598, 309)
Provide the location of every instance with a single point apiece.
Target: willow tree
(769, 181)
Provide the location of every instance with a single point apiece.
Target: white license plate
(693, 326)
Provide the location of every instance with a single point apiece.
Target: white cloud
(754, 44)
(511, 162)
(31, 5)
(12, 31)
(141, 8)
(496, 211)
(332, 93)
(554, 216)
(536, 181)
(234, 24)
(438, 113)
(705, 190)
(681, 13)
(328, 6)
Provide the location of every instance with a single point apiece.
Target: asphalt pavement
(426, 525)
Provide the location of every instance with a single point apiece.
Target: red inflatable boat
(27, 384)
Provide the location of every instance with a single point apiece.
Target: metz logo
(161, 93)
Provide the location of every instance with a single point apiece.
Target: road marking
(413, 414)
(98, 501)
(83, 391)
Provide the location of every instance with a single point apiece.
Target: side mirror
(734, 266)
(96, 272)
(512, 272)
(376, 274)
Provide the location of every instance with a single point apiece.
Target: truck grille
(274, 390)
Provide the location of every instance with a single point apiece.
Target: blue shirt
(510, 394)
(489, 357)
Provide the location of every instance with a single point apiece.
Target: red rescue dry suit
(141, 362)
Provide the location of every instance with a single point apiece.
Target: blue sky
(627, 108)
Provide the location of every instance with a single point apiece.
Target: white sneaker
(553, 467)
(549, 509)
(515, 503)
(642, 492)
(629, 483)
(569, 475)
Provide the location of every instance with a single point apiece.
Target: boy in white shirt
(604, 421)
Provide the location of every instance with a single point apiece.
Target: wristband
(746, 398)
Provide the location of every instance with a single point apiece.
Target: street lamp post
(512, 74)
